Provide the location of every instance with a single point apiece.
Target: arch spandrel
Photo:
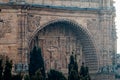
(86, 49)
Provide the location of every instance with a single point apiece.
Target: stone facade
(105, 77)
(85, 27)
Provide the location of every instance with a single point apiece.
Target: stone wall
(8, 34)
(105, 77)
(19, 26)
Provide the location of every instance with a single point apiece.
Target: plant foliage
(55, 75)
(73, 68)
(36, 62)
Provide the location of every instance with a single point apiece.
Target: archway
(59, 38)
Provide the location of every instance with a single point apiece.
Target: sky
(117, 23)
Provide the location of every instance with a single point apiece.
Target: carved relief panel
(8, 28)
(57, 44)
(5, 26)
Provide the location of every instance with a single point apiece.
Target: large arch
(88, 46)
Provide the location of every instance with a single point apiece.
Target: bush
(73, 68)
(26, 77)
(1, 69)
(55, 75)
(17, 77)
(38, 75)
(36, 62)
(84, 73)
(7, 71)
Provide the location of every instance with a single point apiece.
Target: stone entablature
(64, 3)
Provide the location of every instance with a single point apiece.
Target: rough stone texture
(105, 77)
(88, 31)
